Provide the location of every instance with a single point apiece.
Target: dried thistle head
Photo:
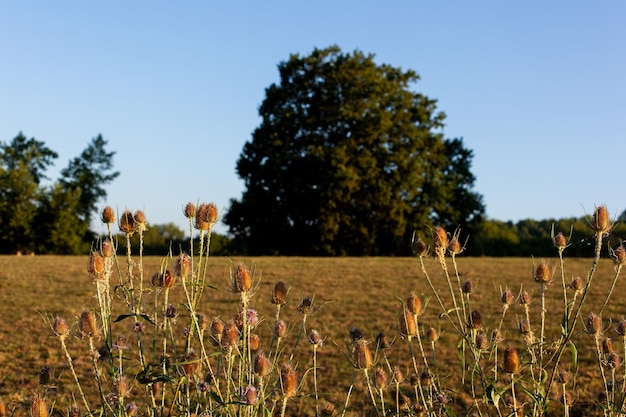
(306, 305)
(108, 215)
(482, 341)
(230, 335)
(262, 365)
(593, 324)
(524, 298)
(414, 304)
(380, 378)
(45, 375)
(182, 265)
(217, 329)
(280, 329)
(563, 376)
(249, 395)
(607, 345)
(419, 247)
(408, 327)
(87, 325)
(288, 381)
(613, 360)
(189, 363)
(468, 287)
(454, 245)
(496, 336)
(355, 334)
(190, 210)
(382, 341)
(440, 240)
(255, 342)
(476, 320)
(426, 379)
(140, 221)
(542, 273)
(362, 355)
(510, 362)
(432, 334)
(621, 328)
(315, 339)
(577, 284)
(121, 387)
(327, 410)
(241, 279)
(127, 222)
(507, 297)
(600, 222)
(60, 327)
(279, 295)
(206, 216)
(38, 407)
(107, 248)
(96, 266)
(398, 376)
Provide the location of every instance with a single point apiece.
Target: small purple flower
(252, 317)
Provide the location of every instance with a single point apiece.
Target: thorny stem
(345, 406)
(618, 269)
(596, 337)
(369, 389)
(71, 364)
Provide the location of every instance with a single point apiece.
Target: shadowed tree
(348, 161)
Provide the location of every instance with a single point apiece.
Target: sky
(536, 89)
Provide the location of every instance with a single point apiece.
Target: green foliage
(51, 218)
(348, 161)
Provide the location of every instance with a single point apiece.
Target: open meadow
(350, 302)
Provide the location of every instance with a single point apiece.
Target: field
(366, 293)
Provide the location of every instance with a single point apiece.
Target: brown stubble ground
(361, 292)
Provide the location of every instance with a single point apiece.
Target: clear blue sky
(537, 89)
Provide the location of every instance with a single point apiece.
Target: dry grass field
(366, 293)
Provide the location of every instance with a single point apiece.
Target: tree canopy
(50, 217)
(348, 160)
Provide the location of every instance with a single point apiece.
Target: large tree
(348, 161)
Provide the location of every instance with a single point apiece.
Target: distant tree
(348, 161)
(90, 173)
(22, 165)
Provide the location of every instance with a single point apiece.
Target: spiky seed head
(621, 328)
(262, 365)
(217, 328)
(74, 411)
(171, 312)
(542, 273)
(250, 395)
(108, 215)
(380, 378)
(206, 216)
(190, 210)
(255, 342)
(315, 338)
(280, 329)
(432, 334)
(618, 256)
(140, 221)
(306, 304)
(3, 409)
(107, 248)
(524, 327)
(496, 336)
(454, 246)
(362, 355)
(120, 387)
(600, 222)
(482, 341)
(279, 296)
(559, 241)
(414, 304)
(45, 375)
(440, 238)
(203, 321)
(327, 410)
(577, 284)
(241, 279)
(607, 345)
(507, 297)
(593, 324)
(39, 408)
(127, 222)
(382, 341)
(414, 380)
(613, 361)
(419, 248)
(288, 381)
(60, 327)
(426, 379)
(131, 409)
(398, 376)
(563, 376)
(510, 363)
(87, 325)
(182, 265)
(230, 335)
(467, 287)
(355, 334)
(189, 363)
(476, 320)
(524, 298)
(408, 327)
(96, 267)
